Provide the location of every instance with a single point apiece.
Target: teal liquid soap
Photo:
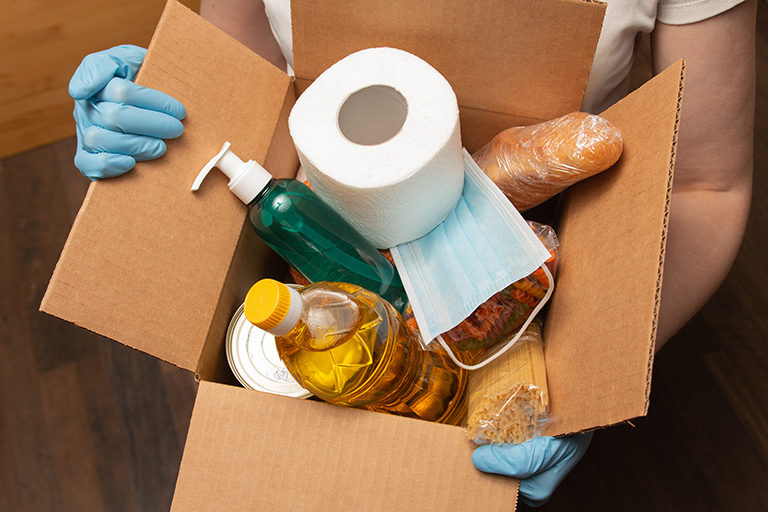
(310, 235)
(305, 231)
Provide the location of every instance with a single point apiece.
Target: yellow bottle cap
(267, 303)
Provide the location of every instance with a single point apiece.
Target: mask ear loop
(517, 336)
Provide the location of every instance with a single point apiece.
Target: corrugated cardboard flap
(505, 68)
(248, 450)
(601, 328)
(147, 261)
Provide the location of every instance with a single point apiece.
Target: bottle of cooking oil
(350, 347)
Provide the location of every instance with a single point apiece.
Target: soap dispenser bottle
(305, 231)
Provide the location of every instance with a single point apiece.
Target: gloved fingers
(139, 121)
(129, 57)
(120, 90)
(536, 490)
(95, 166)
(82, 116)
(96, 139)
(531, 458)
(97, 69)
(516, 460)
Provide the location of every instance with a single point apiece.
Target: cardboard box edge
(665, 231)
(564, 427)
(208, 390)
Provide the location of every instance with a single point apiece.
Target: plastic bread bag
(508, 399)
(532, 163)
(492, 325)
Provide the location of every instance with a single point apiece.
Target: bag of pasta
(492, 326)
(532, 163)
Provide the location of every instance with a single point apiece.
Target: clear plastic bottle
(348, 346)
(305, 231)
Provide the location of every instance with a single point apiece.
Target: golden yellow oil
(352, 348)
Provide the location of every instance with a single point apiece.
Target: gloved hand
(540, 464)
(118, 122)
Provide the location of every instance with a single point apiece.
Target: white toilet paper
(378, 136)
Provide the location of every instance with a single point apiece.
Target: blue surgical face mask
(482, 247)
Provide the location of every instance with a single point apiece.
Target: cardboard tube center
(372, 115)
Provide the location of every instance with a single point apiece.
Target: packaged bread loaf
(532, 163)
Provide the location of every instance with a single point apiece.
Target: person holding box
(119, 123)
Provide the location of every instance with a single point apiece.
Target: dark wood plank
(25, 446)
(76, 455)
(86, 424)
(153, 446)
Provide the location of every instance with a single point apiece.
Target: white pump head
(246, 179)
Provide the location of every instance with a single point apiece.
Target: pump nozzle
(246, 179)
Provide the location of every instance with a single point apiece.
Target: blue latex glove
(540, 464)
(118, 122)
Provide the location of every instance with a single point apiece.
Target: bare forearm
(246, 21)
(705, 232)
(713, 174)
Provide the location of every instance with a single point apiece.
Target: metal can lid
(254, 359)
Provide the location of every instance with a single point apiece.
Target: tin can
(254, 360)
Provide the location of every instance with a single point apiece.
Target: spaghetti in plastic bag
(508, 400)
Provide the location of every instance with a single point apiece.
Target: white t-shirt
(624, 21)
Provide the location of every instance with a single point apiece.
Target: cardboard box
(151, 265)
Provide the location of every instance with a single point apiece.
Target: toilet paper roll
(378, 136)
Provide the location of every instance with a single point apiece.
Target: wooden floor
(87, 424)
